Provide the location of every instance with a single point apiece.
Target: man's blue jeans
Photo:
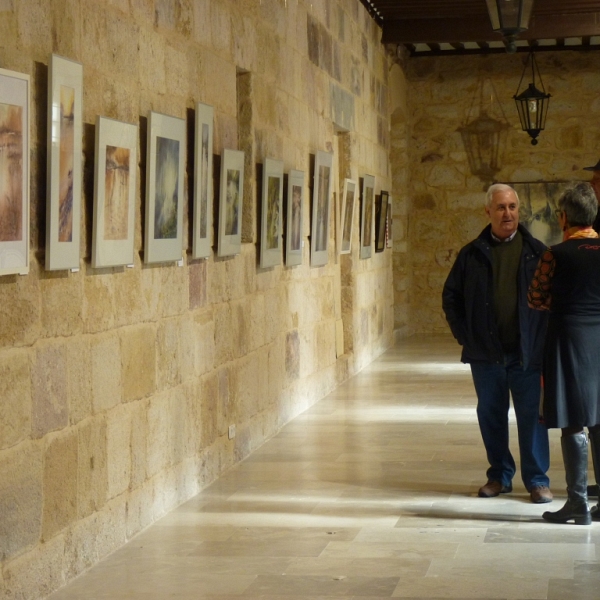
(493, 382)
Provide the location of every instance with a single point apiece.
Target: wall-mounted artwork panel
(14, 172)
(230, 203)
(294, 218)
(347, 225)
(64, 171)
(366, 216)
(319, 237)
(381, 211)
(164, 189)
(203, 181)
(114, 193)
(271, 240)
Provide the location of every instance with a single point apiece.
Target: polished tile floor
(370, 494)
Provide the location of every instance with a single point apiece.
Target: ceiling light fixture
(510, 18)
(532, 103)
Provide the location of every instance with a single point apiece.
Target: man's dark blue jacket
(468, 303)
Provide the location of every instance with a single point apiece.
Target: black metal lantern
(510, 17)
(532, 104)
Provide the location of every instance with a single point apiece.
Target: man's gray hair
(498, 187)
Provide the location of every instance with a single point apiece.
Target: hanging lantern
(510, 18)
(532, 104)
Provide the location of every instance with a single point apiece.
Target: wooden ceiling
(427, 27)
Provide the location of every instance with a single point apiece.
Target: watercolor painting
(322, 208)
(204, 185)
(348, 215)
(65, 163)
(116, 190)
(166, 188)
(11, 173)
(232, 202)
(273, 212)
(296, 212)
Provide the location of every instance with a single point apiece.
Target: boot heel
(583, 520)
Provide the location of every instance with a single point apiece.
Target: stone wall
(118, 386)
(445, 191)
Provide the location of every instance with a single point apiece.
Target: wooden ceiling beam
(456, 30)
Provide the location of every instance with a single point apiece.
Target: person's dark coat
(468, 303)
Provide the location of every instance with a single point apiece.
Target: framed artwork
(164, 188)
(230, 203)
(366, 216)
(272, 200)
(320, 209)
(381, 211)
(203, 181)
(65, 126)
(348, 197)
(388, 228)
(294, 221)
(14, 172)
(114, 193)
(538, 201)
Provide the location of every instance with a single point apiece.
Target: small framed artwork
(164, 188)
(203, 181)
(349, 194)
(320, 209)
(14, 172)
(294, 224)
(381, 211)
(389, 243)
(230, 203)
(366, 216)
(272, 200)
(114, 193)
(63, 206)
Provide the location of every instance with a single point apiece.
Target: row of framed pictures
(115, 186)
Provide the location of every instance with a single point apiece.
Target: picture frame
(381, 211)
(389, 242)
(203, 181)
(271, 213)
(64, 164)
(166, 147)
(231, 203)
(15, 94)
(366, 216)
(347, 215)
(115, 183)
(319, 237)
(294, 237)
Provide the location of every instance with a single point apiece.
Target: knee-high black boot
(575, 457)
(595, 446)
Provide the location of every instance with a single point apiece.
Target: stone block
(248, 388)
(37, 573)
(168, 352)
(106, 371)
(60, 318)
(60, 483)
(203, 329)
(15, 395)
(139, 510)
(92, 478)
(180, 421)
(198, 284)
(133, 295)
(79, 379)
(174, 292)
(138, 361)
(227, 404)
(224, 330)
(49, 389)
(98, 303)
(139, 443)
(208, 398)
(292, 355)
(152, 51)
(33, 17)
(159, 452)
(118, 449)
(21, 498)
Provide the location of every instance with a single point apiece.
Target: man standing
(595, 183)
(485, 302)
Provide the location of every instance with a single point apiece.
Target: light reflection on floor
(369, 494)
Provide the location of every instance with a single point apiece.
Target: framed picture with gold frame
(14, 172)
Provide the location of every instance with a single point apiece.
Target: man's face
(503, 213)
(595, 183)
